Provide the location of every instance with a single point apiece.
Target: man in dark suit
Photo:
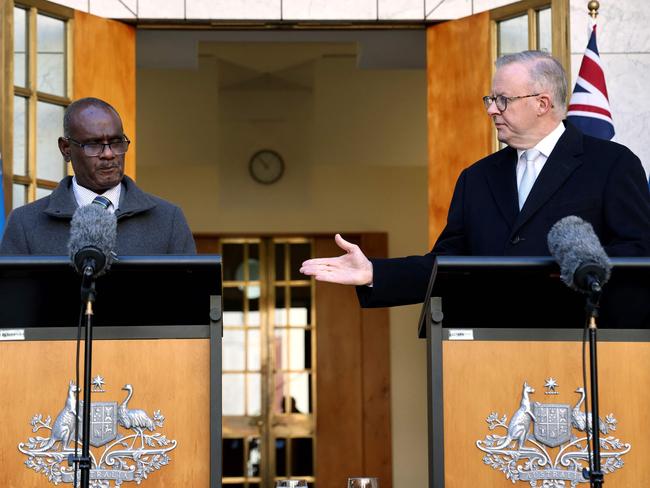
(505, 204)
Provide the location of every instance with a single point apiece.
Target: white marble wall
(624, 46)
(288, 10)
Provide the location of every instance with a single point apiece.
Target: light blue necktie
(528, 178)
(102, 201)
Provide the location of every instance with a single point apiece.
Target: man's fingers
(343, 244)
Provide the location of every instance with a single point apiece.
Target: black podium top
(504, 292)
(44, 291)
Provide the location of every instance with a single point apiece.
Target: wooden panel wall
(458, 75)
(353, 383)
(104, 67)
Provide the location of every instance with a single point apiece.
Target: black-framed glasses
(501, 101)
(94, 149)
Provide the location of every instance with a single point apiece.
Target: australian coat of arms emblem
(554, 452)
(129, 446)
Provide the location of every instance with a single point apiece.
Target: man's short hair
(546, 73)
(77, 105)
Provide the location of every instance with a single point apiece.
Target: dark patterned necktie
(102, 201)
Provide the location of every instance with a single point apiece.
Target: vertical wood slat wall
(104, 67)
(459, 131)
(353, 424)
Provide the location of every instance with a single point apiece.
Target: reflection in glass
(233, 350)
(254, 394)
(20, 136)
(280, 456)
(19, 195)
(254, 458)
(513, 35)
(233, 394)
(51, 55)
(281, 348)
(232, 255)
(233, 301)
(49, 162)
(544, 35)
(298, 388)
(20, 47)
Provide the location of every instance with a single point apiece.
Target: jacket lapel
(502, 180)
(561, 163)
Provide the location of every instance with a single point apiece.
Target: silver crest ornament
(524, 456)
(131, 455)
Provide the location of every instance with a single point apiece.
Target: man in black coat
(505, 204)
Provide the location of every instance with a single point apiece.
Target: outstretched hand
(352, 268)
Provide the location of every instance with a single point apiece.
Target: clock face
(266, 166)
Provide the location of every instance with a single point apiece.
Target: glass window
(51, 55)
(19, 195)
(544, 32)
(513, 35)
(49, 162)
(20, 47)
(20, 136)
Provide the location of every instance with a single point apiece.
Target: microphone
(584, 265)
(93, 234)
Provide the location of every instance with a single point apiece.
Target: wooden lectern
(504, 360)
(156, 399)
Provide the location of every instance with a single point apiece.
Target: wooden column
(458, 74)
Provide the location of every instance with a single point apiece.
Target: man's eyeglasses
(94, 149)
(501, 101)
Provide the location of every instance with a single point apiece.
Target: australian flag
(589, 105)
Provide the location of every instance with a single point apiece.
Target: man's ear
(545, 104)
(64, 147)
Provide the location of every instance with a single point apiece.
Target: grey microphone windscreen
(92, 227)
(574, 245)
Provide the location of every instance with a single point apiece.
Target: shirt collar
(547, 144)
(84, 196)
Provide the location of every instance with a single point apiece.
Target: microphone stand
(88, 295)
(596, 476)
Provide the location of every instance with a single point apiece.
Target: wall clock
(266, 166)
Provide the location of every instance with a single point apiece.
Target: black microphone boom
(584, 264)
(93, 234)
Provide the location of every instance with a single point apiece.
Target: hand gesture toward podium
(351, 268)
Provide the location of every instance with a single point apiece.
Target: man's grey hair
(546, 73)
(72, 109)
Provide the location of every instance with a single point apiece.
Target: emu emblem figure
(134, 419)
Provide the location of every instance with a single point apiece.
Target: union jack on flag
(589, 105)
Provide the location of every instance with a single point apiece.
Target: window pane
(232, 256)
(254, 457)
(51, 55)
(20, 47)
(297, 349)
(49, 127)
(233, 350)
(20, 136)
(544, 39)
(513, 35)
(42, 192)
(19, 195)
(302, 456)
(233, 394)
(254, 394)
(280, 456)
(299, 253)
(254, 348)
(299, 390)
(233, 457)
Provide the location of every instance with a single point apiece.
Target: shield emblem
(552, 423)
(103, 422)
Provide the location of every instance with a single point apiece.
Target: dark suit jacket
(600, 181)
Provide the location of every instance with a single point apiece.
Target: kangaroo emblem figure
(65, 424)
(519, 426)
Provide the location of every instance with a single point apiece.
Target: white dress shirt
(84, 196)
(545, 147)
